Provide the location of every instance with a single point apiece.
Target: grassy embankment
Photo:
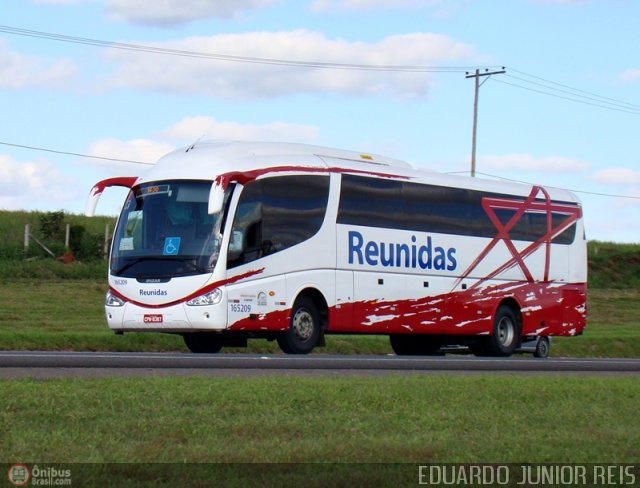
(392, 419)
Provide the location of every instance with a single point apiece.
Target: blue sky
(581, 133)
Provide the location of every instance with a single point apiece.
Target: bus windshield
(165, 231)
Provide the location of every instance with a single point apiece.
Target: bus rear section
(438, 265)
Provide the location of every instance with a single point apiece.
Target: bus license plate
(153, 318)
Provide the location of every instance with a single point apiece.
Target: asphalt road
(15, 364)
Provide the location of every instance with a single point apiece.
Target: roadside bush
(11, 252)
(86, 235)
(52, 226)
(83, 245)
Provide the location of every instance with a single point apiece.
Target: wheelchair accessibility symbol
(171, 246)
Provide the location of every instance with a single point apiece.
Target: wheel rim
(506, 331)
(303, 324)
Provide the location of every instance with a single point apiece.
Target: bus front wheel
(304, 328)
(203, 343)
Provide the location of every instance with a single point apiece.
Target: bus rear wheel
(203, 343)
(505, 335)
(304, 329)
(542, 348)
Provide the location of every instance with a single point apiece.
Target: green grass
(390, 419)
(39, 269)
(69, 315)
(404, 420)
(357, 431)
(613, 265)
(396, 419)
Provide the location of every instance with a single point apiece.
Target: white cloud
(33, 184)
(142, 150)
(190, 129)
(19, 70)
(527, 162)
(629, 76)
(174, 12)
(235, 80)
(617, 176)
(187, 131)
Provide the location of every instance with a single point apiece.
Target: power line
(567, 98)
(561, 90)
(577, 90)
(624, 106)
(69, 153)
(571, 94)
(551, 88)
(72, 153)
(584, 192)
(228, 57)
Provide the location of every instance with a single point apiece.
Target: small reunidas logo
(19, 475)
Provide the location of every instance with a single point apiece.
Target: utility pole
(477, 76)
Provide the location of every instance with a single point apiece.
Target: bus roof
(206, 160)
(211, 158)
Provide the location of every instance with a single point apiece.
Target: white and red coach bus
(225, 241)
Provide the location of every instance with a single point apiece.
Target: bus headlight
(211, 298)
(113, 301)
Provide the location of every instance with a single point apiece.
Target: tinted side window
(276, 213)
(374, 202)
(371, 202)
(438, 209)
(293, 210)
(529, 226)
(532, 226)
(566, 237)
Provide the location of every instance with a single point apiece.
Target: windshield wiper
(193, 263)
(190, 261)
(132, 263)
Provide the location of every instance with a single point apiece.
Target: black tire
(304, 328)
(203, 343)
(542, 348)
(505, 336)
(415, 345)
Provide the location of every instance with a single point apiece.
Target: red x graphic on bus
(533, 204)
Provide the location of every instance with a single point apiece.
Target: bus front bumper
(176, 318)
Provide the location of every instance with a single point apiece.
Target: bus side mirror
(98, 188)
(216, 197)
(92, 202)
